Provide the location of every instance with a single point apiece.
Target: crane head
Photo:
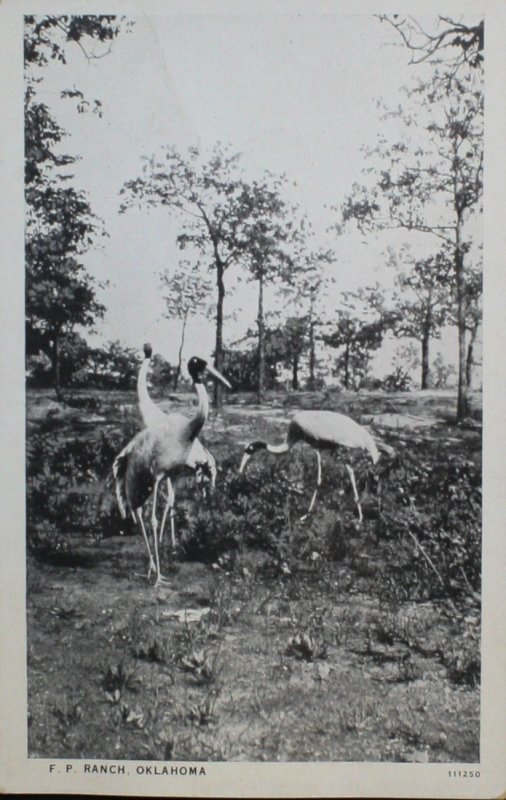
(249, 450)
(148, 350)
(197, 367)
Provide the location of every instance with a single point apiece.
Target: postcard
(253, 399)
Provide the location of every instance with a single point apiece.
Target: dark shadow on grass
(56, 559)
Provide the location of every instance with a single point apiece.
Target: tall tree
(241, 363)
(289, 341)
(474, 288)
(59, 292)
(268, 234)
(209, 197)
(185, 292)
(474, 315)
(356, 336)
(60, 224)
(421, 301)
(308, 287)
(431, 179)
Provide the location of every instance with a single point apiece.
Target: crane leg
(152, 565)
(355, 493)
(318, 483)
(214, 472)
(169, 506)
(160, 579)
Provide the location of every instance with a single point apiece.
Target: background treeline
(424, 178)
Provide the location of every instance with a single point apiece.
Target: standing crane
(160, 451)
(151, 414)
(323, 430)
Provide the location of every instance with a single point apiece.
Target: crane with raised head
(323, 430)
(152, 414)
(161, 451)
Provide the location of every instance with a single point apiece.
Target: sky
(294, 94)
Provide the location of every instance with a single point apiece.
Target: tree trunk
(426, 331)
(261, 339)
(312, 358)
(347, 366)
(295, 373)
(218, 355)
(462, 400)
(180, 354)
(470, 358)
(425, 360)
(55, 357)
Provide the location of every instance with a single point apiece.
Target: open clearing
(276, 640)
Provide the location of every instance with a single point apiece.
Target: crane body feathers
(161, 449)
(328, 430)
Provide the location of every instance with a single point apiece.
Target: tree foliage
(185, 292)
(308, 288)
(422, 300)
(60, 224)
(225, 220)
(206, 195)
(356, 336)
(430, 179)
(270, 234)
(241, 364)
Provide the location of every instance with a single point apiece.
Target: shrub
(421, 535)
(69, 485)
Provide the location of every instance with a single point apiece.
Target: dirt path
(116, 671)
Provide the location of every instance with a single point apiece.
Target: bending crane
(323, 430)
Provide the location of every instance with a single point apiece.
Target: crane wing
(329, 429)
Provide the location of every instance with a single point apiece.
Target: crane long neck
(373, 450)
(199, 419)
(146, 404)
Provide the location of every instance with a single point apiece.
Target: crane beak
(218, 375)
(245, 458)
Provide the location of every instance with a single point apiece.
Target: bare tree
(453, 42)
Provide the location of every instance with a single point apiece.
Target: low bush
(70, 487)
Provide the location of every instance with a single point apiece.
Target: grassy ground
(276, 639)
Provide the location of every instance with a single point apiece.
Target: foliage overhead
(60, 224)
(420, 182)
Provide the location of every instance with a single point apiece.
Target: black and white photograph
(253, 271)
